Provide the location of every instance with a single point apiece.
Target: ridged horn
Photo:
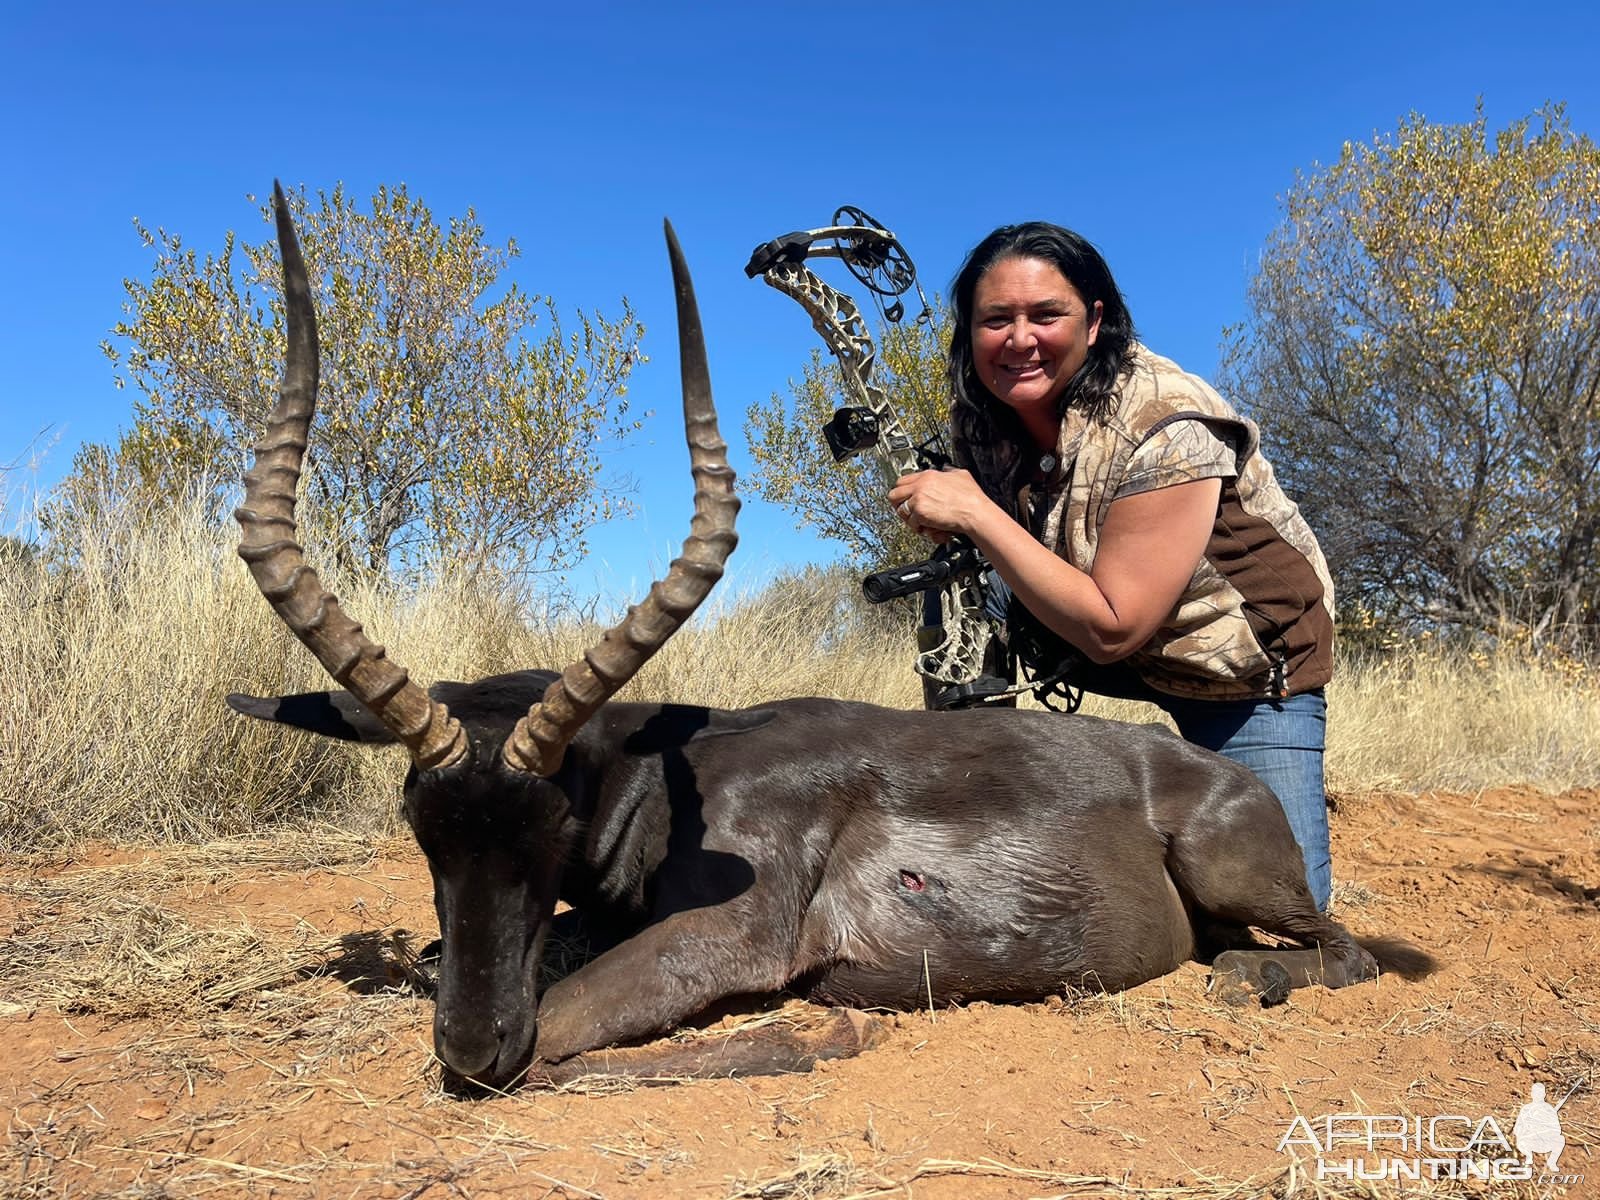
(539, 741)
(434, 738)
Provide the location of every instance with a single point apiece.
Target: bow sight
(961, 655)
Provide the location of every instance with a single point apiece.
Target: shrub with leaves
(447, 429)
(1423, 350)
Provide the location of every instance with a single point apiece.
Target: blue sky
(1164, 132)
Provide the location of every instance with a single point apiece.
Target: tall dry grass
(113, 673)
(1430, 715)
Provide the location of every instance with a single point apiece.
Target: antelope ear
(330, 714)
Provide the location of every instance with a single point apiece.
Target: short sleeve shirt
(1180, 452)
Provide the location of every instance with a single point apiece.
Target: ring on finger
(904, 508)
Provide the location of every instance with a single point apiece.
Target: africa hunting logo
(1361, 1146)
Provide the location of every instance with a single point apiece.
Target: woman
(1126, 508)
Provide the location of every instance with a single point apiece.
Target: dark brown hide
(861, 855)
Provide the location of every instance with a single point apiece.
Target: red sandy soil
(323, 1087)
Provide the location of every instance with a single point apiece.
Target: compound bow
(957, 649)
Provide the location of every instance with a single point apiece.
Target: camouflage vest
(1256, 621)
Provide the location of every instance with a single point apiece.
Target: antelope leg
(776, 1049)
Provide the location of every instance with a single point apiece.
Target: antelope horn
(434, 738)
(540, 739)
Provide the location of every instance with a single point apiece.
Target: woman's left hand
(939, 504)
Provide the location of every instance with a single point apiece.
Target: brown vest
(1256, 621)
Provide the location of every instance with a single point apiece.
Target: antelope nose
(465, 1054)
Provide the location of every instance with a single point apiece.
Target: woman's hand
(941, 504)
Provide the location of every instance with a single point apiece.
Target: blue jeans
(1281, 741)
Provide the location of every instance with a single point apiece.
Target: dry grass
(105, 939)
(113, 677)
(113, 673)
(198, 987)
(1426, 716)
(126, 958)
(1429, 716)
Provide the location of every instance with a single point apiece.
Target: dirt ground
(234, 1021)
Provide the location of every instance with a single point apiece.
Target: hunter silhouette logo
(1363, 1146)
(1538, 1129)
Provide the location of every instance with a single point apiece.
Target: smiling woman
(1134, 528)
(1031, 333)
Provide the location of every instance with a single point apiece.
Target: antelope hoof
(1239, 977)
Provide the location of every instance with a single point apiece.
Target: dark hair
(988, 437)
